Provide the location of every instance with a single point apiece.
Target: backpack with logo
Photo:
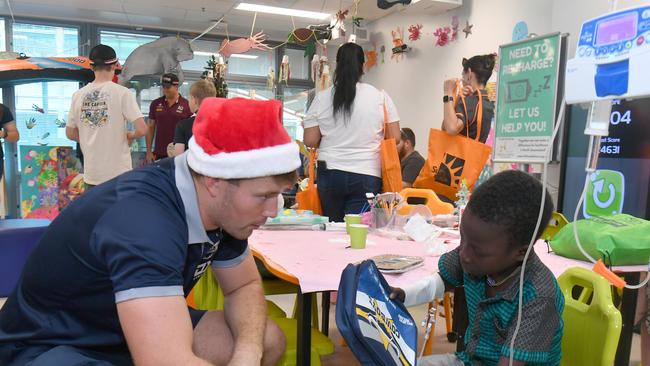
(378, 330)
(452, 159)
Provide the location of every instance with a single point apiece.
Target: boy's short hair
(511, 199)
(407, 134)
(202, 89)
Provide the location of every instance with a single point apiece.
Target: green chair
(320, 344)
(592, 324)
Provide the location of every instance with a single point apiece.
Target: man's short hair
(101, 67)
(511, 199)
(289, 178)
(407, 134)
(202, 89)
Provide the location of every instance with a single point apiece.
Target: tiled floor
(343, 356)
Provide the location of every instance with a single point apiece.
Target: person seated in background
(198, 91)
(495, 232)
(410, 160)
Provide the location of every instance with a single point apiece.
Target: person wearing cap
(106, 284)
(164, 113)
(98, 120)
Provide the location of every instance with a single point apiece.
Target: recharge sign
(526, 99)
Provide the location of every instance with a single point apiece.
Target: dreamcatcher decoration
(415, 32)
(399, 47)
(243, 45)
(285, 70)
(442, 33)
(320, 72)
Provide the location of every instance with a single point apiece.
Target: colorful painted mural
(44, 169)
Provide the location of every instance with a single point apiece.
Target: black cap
(102, 55)
(169, 79)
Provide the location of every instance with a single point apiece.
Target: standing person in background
(346, 123)
(198, 91)
(97, 120)
(164, 114)
(476, 72)
(8, 132)
(410, 160)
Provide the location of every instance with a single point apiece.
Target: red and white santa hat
(240, 138)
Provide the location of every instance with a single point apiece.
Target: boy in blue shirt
(496, 228)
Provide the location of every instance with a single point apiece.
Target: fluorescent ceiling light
(282, 11)
(202, 53)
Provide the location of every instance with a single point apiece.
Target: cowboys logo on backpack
(378, 330)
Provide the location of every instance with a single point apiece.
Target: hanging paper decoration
(399, 48)
(371, 59)
(443, 36)
(30, 123)
(325, 77)
(415, 32)
(356, 21)
(60, 123)
(468, 28)
(285, 70)
(340, 20)
(243, 45)
(455, 24)
(315, 67)
(383, 52)
(38, 109)
(270, 78)
(304, 37)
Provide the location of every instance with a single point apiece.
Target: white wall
(415, 83)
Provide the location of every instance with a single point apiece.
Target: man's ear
(213, 185)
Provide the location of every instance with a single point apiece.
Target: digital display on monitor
(623, 182)
(615, 30)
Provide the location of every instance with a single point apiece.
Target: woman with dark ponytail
(458, 120)
(346, 124)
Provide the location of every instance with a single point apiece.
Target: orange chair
(447, 305)
(431, 201)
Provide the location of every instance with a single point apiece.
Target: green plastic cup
(351, 219)
(358, 235)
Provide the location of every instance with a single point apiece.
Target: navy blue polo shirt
(138, 235)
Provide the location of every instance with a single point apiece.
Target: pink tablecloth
(317, 258)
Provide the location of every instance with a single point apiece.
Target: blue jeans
(344, 192)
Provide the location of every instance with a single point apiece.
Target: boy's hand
(397, 293)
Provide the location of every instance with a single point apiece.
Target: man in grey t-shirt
(410, 160)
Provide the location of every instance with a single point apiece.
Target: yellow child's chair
(592, 324)
(431, 200)
(207, 295)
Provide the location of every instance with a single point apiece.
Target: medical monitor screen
(624, 161)
(615, 30)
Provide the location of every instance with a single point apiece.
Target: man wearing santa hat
(106, 285)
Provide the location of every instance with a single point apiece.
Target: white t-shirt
(100, 112)
(352, 146)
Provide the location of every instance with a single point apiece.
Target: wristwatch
(447, 98)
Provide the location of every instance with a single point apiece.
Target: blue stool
(17, 240)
